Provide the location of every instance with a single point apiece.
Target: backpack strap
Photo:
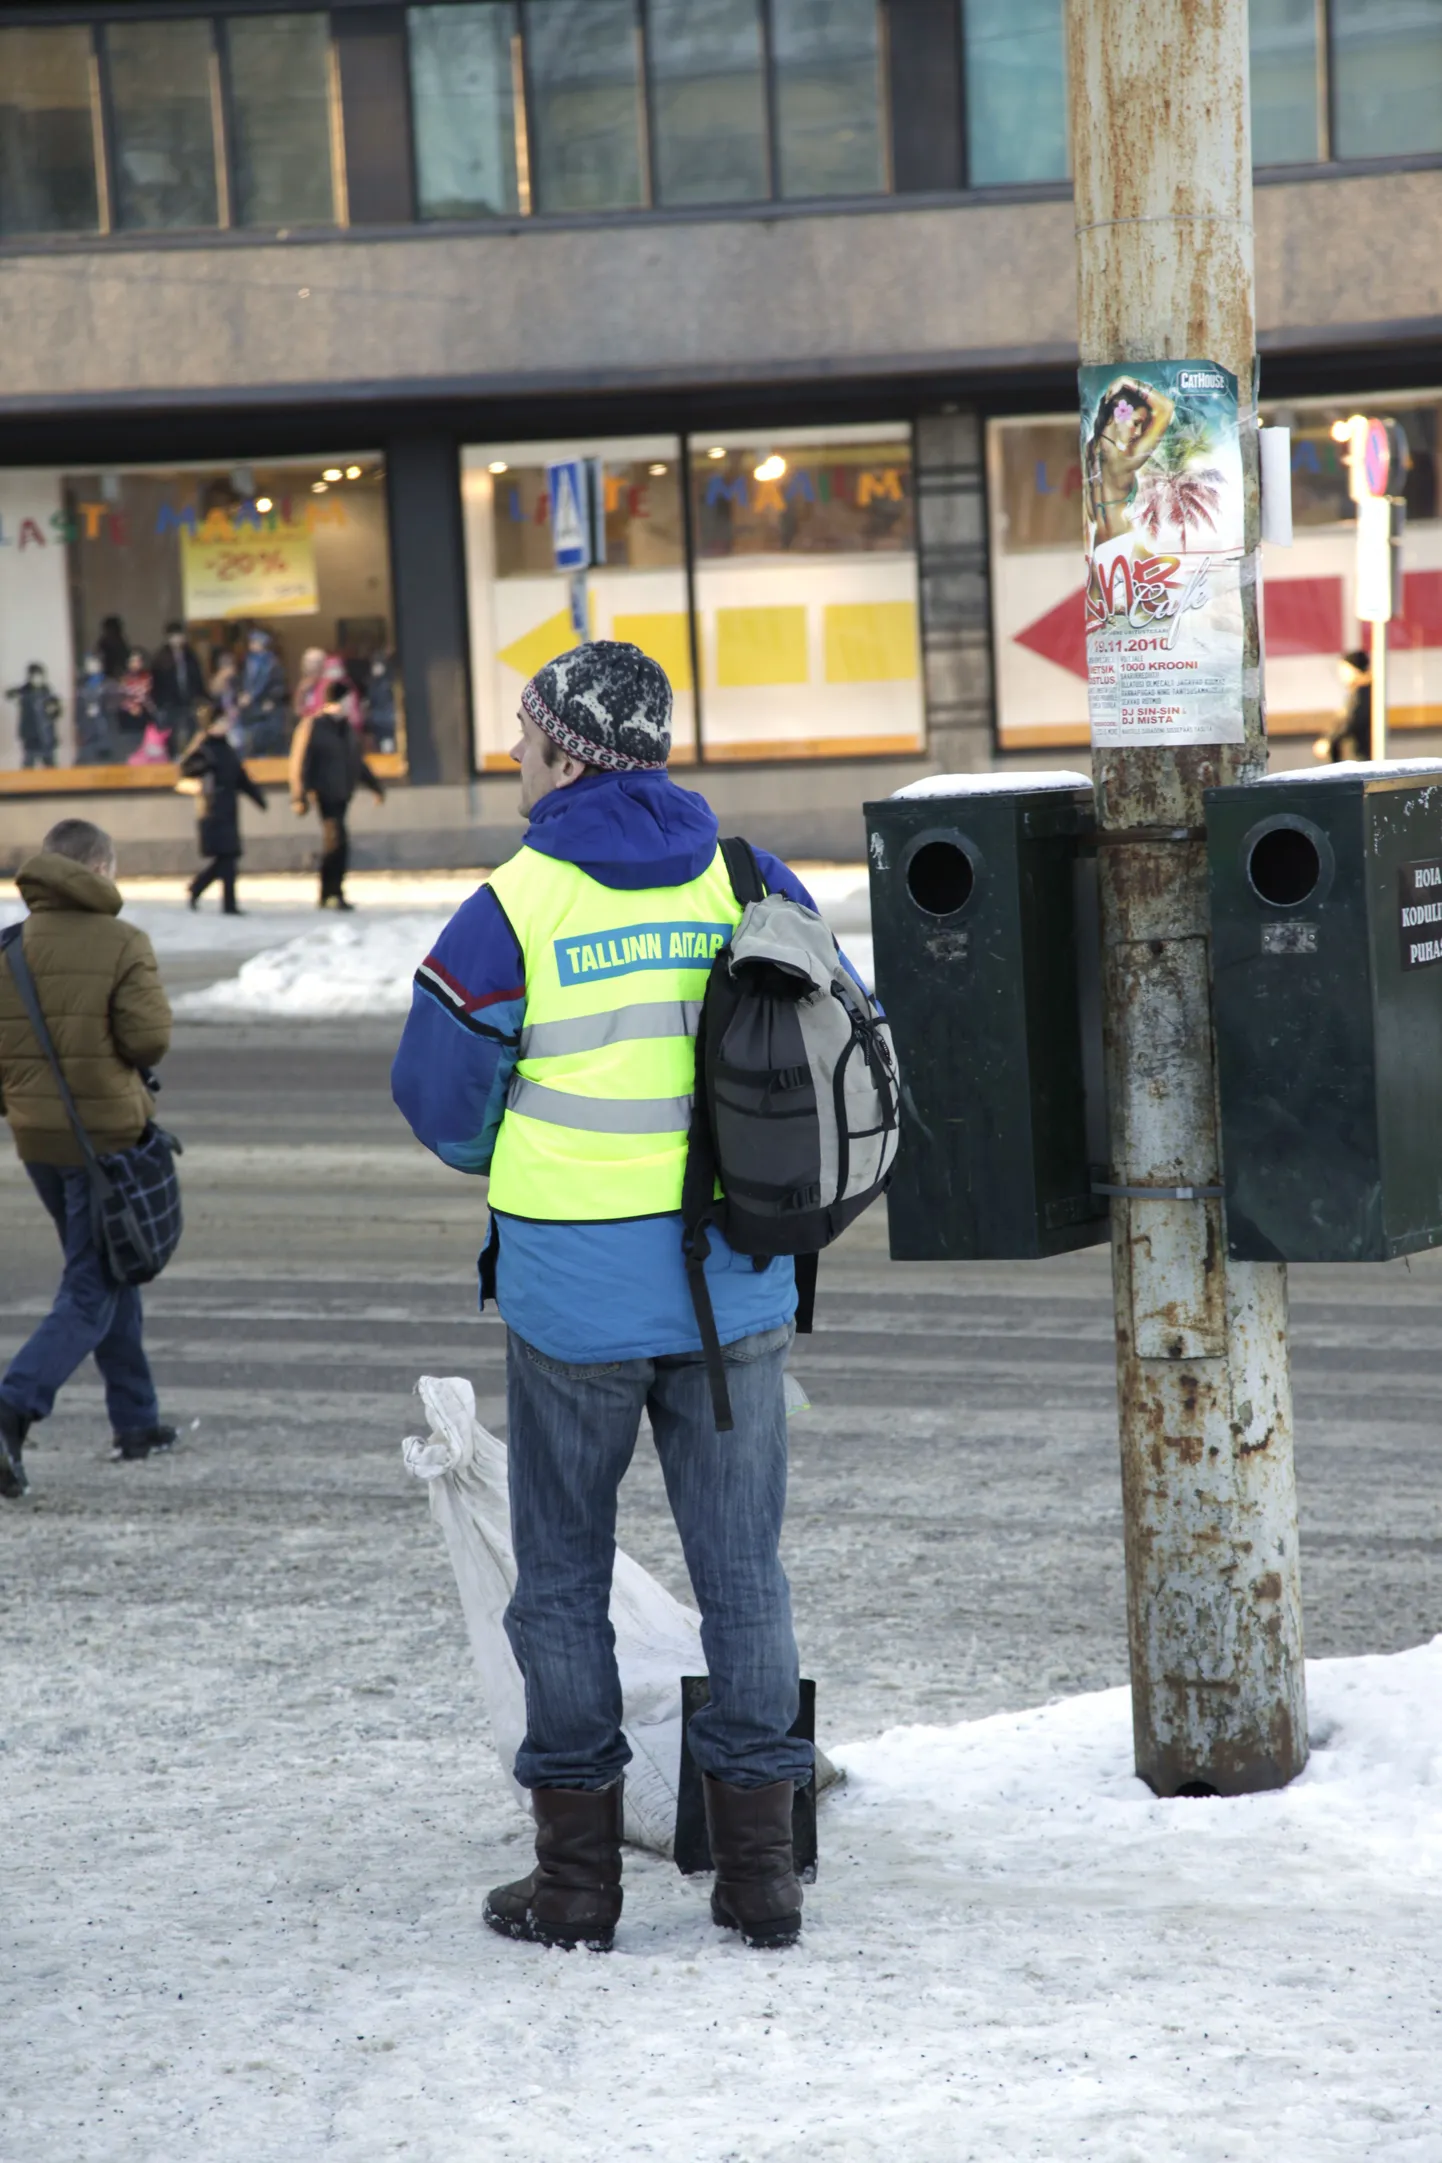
(743, 870)
(698, 1208)
(806, 1265)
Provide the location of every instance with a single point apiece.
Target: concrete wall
(652, 300)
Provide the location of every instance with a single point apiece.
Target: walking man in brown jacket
(101, 996)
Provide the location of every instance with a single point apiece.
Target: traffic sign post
(578, 528)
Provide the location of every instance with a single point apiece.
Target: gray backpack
(794, 1126)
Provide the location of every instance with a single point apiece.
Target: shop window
(520, 604)
(1387, 77)
(828, 97)
(465, 76)
(1285, 82)
(280, 118)
(1016, 95)
(47, 132)
(806, 592)
(708, 101)
(162, 101)
(100, 564)
(583, 61)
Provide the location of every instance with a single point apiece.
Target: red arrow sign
(1304, 616)
(1060, 635)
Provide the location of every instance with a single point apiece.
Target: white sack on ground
(657, 1639)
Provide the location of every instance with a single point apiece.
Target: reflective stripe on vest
(623, 1025)
(599, 1106)
(599, 1115)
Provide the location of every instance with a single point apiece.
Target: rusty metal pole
(1161, 145)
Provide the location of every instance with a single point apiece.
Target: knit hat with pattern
(607, 703)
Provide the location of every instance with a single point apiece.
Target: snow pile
(355, 967)
(1058, 1783)
(1356, 770)
(1011, 781)
(364, 964)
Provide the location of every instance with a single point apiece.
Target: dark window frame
(100, 14)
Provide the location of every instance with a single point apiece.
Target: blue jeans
(572, 1434)
(89, 1315)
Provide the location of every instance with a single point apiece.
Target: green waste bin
(983, 912)
(1326, 890)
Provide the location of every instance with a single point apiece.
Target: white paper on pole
(1374, 560)
(1276, 450)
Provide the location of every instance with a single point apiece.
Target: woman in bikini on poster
(1131, 420)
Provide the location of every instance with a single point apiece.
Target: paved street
(954, 1532)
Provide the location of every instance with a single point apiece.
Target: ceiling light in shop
(658, 469)
(498, 465)
(332, 473)
(716, 453)
(352, 473)
(320, 488)
(771, 468)
(264, 504)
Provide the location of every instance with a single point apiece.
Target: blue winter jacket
(579, 1292)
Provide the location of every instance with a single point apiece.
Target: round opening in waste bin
(940, 878)
(1284, 866)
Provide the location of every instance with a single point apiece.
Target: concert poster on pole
(1161, 463)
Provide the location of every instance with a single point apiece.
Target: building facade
(302, 305)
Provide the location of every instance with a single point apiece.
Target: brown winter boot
(757, 1890)
(573, 1896)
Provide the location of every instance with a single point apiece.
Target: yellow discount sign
(265, 574)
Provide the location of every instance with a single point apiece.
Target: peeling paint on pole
(1162, 156)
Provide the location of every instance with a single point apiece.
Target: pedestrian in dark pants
(551, 1045)
(213, 763)
(331, 771)
(100, 993)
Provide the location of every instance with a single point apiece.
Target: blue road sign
(570, 522)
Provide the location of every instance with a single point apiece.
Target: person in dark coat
(113, 647)
(177, 684)
(39, 712)
(262, 701)
(216, 766)
(331, 771)
(380, 696)
(1353, 740)
(97, 703)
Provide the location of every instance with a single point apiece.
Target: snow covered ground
(250, 1938)
(363, 964)
(281, 958)
(345, 965)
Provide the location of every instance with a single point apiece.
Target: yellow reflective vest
(599, 1105)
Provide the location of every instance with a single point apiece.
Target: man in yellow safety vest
(551, 1044)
